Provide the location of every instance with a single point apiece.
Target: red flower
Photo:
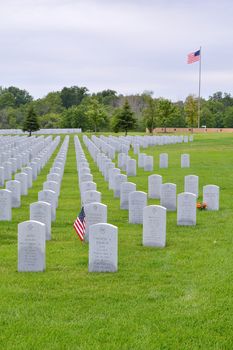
(201, 206)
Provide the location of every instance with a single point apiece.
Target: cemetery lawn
(179, 297)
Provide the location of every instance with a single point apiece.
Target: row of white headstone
(41, 131)
(102, 237)
(110, 145)
(167, 192)
(129, 165)
(125, 162)
(18, 152)
(11, 196)
(146, 162)
(153, 218)
(32, 234)
(136, 201)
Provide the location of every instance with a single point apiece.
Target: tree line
(76, 107)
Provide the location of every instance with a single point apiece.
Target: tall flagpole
(199, 94)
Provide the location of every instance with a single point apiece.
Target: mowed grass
(179, 297)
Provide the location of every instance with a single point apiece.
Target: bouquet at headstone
(201, 206)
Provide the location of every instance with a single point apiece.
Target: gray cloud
(126, 45)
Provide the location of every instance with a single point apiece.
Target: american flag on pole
(194, 56)
(80, 224)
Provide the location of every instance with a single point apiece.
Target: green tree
(207, 117)
(51, 103)
(170, 114)
(50, 121)
(6, 100)
(124, 118)
(178, 117)
(73, 95)
(164, 111)
(217, 109)
(228, 120)
(4, 121)
(149, 113)
(11, 113)
(20, 115)
(31, 123)
(107, 97)
(97, 114)
(190, 109)
(75, 117)
(21, 97)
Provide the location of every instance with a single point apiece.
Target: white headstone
(34, 166)
(105, 167)
(125, 160)
(13, 164)
(7, 170)
(191, 184)
(211, 197)
(19, 161)
(59, 165)
(112, 173)
(120, 159)
(119, 179)
(14, 187)
(95, 213)
(41, 211)
(154, 186)
(148, 163)
(37, 160)
(163, 160)
(83, 165)
(186, 209)
(185, 161)
(136, 148)
(108, 167)
(31, 246)
(5, 205)
(85, 178)
(125, 190)
(49, 197)
(168, 196)
(54, 177)
(91, 197)
(141, 157)
(103, 248)
(28, 170)
(57, 171)
(137, 201)
(131, 167)
(23, 179)
(87, 186)
(154, 226)
(84, 171)
(2, 178)
(53, 186)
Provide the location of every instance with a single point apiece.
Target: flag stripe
(79, 233)
(194, 57)
(78, 227)
(80, 224)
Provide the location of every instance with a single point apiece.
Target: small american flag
(194, 56)
(80, 224)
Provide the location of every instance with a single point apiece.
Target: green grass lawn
(179, 297)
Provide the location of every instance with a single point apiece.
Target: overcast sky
(125, 45)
